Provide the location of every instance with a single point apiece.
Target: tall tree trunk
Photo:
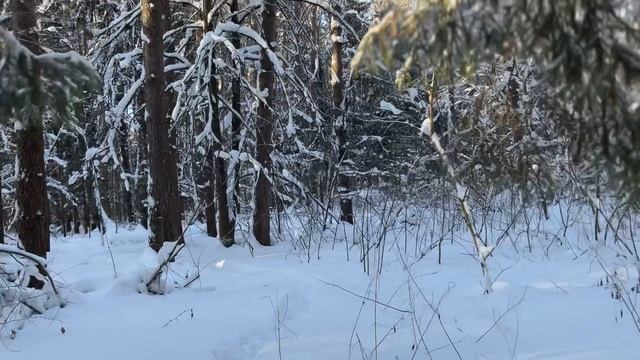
(142, 167)
(264, 129)
(92, 215)
(171, 101)
(340, 126)
(236, 122)
(164, 202)
(31, 190)
(127, 198)
(203, 167)
(210, 194)
(76, 221)
(316, 70)
(1, 214)
(323, 176)
(225, 226)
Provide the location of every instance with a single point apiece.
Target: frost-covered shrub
(20, 298)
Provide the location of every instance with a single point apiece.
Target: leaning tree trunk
(164, 203)
(264, 129)
(340, 126)
(31, 190)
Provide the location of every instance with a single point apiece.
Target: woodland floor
(278, 303)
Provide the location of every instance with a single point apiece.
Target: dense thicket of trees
(234, 112)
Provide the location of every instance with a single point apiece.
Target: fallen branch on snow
(39, 261)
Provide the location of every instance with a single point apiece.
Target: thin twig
(364, 297)
(503, 314)
(175, 319)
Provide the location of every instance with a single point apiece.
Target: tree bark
(236, 122)
(264, 129)
(210, 195)
(171, 101)
(127, 198)
(164, 202)
(316, 67)
(76, 221)
(142, 173)
(91, 215)
(31, 190)
(225, 226)
(344, 181)
(1, 214)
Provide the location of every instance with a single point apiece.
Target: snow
(461, 191)
(10, 249)
(308, 304)
(485, 251)
(385, 105)
(205, 132)
(425, 127)
(119, 110)
(252, 34)
(144, 37)
(91, 153)
(74, 177)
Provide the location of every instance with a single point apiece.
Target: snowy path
(240, 300)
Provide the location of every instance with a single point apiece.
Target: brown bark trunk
(142, 166)
(31, 190)
(164, 207)
(264, 129)
(171, 101)
(344, 182)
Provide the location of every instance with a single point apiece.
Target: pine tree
(31, 190)
(264, 128)
(584, 52)
(164, 203)
(1, 214)
(340, 126)
(213, 120)
(236, 121)
(225, 228)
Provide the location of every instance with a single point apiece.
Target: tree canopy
(584, 52)
(60, 79)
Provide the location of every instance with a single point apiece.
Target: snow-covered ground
(276, 302)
